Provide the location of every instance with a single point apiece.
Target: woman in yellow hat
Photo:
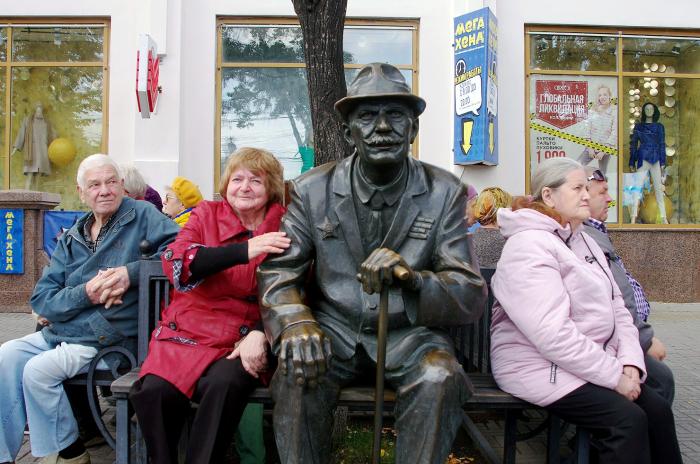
(180, 198)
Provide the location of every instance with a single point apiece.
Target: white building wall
(179, 139)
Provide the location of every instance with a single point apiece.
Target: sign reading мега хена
(11, 261)
(475, 87)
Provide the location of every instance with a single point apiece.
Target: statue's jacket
(315, 278)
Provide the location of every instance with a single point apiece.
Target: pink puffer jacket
(559, 319)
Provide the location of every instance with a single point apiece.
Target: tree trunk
(322, 23)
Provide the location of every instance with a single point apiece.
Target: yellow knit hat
(187, 192)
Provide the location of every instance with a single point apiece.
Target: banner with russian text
(12, 244)
(475, 88)
(576, 117)
(56, 223)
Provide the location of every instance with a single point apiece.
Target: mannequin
(648, 153)
(33, 139)
(601, 128)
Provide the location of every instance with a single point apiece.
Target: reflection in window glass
(262, 44)
(666, 152)
(60, 43)
(570, 52)
(61, 105)
(3, 44)
(653, 55)
(362, 45)
(267, 108)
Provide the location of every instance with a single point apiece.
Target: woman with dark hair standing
(561, 336)
(648, 153)
(209, 346)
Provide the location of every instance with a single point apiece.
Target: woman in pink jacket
(561, 336)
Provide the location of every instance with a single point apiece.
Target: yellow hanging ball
(649, 210)
(62, 152)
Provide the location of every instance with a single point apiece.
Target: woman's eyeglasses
(597, 175)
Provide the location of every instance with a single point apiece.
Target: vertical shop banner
(475, 88)
(12, 252)
(56, 223)
(576, 117)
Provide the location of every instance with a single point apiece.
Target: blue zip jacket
(60, 294)
(648, 143)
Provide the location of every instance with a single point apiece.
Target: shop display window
(635, 120)
(53, 81)
(262, 85)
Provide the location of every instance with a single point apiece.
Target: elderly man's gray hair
(97, 160)
(134, 183)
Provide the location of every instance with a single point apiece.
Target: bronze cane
(400, 273)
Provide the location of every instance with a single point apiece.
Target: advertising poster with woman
(576, 117)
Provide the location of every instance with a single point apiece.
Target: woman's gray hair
(134, 183)
(97, 160)
(552, 173)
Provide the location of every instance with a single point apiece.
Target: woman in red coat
(210, 347)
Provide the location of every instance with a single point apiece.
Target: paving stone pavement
(677, 325)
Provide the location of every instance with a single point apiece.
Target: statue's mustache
(381, 141)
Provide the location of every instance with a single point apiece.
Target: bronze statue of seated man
(368, 214)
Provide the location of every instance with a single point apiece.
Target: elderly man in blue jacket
(88, 294)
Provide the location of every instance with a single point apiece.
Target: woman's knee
(633, 421)
(152, 389)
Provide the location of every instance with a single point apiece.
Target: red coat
(203, 323)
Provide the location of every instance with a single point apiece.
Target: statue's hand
(381, 267)
(306, 350)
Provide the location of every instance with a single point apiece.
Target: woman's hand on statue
(253, 353)
(271, 242)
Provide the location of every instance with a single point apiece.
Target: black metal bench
(472, 347)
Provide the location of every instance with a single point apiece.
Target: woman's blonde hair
(488, 202)
(257, 161)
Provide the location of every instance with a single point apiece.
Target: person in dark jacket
(88, 294)
(659, 375)
(209, 346)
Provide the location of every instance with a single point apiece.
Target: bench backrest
(472, 342)
(154, 295)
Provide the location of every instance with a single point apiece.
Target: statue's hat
(378, 80)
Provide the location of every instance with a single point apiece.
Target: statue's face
(382, 131)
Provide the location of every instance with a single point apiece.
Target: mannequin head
(650, 112)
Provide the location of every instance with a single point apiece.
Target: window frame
(9, 63)
(222, 22)
(620, 74)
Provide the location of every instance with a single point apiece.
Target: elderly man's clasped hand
(108, 286)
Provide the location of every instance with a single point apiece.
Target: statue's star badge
(327, 229)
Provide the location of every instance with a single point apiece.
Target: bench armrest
(123, 384)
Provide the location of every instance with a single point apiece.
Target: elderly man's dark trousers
(430, 391)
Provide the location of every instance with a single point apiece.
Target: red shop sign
(147, 71)
(561, 103)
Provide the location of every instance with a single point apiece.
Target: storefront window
(263, 91)
(57, 87)
(636, 124)
(573, 52)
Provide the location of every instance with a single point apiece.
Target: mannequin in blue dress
(648, 153)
